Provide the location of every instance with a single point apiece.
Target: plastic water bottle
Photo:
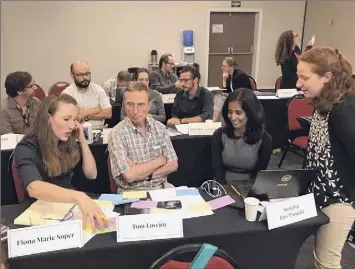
(87, 126)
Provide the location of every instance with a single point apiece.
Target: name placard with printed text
(290, 211)
(149, 226)
(46, 238)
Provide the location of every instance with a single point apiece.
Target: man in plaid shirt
(141, 152)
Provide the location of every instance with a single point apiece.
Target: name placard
(290, 211)
(168, 98)
(46, 238)
(203, 128)
(9, 141)
(286, 93)
(149, 227)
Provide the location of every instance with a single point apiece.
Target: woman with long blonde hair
(47, 155)
(325, 77)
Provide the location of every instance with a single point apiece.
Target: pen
(237, 192)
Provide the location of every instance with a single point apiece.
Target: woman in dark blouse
(46, 157)
(242, 148)
(325, 76)
(157, 110)
(286, 55)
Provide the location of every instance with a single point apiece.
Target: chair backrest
(14, 176)
(220, 259)
(298, 106)
(278, 83)
(113, 186)
(58, 87)
(39, 93)
(252, 83)
(214, 263)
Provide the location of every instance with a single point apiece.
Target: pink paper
(221, 202)
(144, 204)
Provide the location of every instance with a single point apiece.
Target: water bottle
(87, 127)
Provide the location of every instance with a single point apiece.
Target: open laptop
(276, 184)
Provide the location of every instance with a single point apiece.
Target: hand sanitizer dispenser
(188, 46)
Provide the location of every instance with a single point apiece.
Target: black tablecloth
(275, 111)
(251, 244)
(195, 166)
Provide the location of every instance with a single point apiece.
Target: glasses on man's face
(33, 84)
(140, 106)
(185, 80)
(88, 74)
(170, 63)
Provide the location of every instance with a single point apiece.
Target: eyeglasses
(185, 79)
(170, 63)
(139, 106)
(31, 85)
(69, 216)
(88, 74)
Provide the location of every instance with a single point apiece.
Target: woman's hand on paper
(91, 212)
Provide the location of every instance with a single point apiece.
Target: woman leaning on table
(45, 157)
(325, 77)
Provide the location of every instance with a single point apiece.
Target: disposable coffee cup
(251, 208)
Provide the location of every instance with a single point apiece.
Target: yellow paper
(161, 210)
(199, 207)
(41, 212)
(104, 204)
(134, 194)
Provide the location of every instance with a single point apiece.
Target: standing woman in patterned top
(325, 77)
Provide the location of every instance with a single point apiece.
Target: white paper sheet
(267, 97)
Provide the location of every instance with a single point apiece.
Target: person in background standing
(286, 56)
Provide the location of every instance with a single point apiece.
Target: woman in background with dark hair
(286, 55)
(325, 77)
(157, 110)
(242, 148)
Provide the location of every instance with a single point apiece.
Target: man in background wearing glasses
(194, 103)
(164, 80)
(93, 102)
(19, 109)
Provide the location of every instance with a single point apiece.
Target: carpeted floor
(305, 258)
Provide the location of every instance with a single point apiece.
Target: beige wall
(45, 37)
(332, 22)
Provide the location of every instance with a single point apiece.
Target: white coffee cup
(251, 208)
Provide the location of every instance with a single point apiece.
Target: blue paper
(116, 199)
(127, 201)
(188, 191)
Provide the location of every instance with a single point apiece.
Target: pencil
(236, 191)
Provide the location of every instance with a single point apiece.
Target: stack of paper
(41, 213)
(193, 205)
(116, 199)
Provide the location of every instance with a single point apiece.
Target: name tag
(203, 128)
(149, 226)
(290, 211)
(38, 239)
